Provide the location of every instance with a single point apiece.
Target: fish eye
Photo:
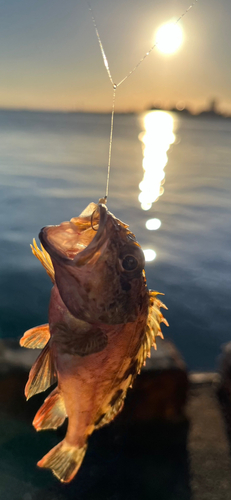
(129, 263)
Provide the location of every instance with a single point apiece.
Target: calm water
(52, 165)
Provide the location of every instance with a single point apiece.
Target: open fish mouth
(98, 266)
(75, 242)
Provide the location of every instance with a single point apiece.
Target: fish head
(99, 266)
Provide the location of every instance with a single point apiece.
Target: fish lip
(85, 255)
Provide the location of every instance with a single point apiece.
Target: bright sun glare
(169, 38)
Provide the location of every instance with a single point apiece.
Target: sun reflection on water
(153, 224)
(156, 140)
(149, 254)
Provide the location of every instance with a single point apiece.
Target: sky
(50, 57)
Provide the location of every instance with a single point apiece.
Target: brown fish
(102, 323)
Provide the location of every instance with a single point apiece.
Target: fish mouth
(74, 243)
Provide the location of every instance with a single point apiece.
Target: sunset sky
(50, 58)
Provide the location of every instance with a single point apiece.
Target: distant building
(212, 111)
(213, 106)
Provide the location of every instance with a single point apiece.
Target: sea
(170, 181)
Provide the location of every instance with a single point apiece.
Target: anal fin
(52, 413)
(42, 374)
(36, 338)
(64, 460)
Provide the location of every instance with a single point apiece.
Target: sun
(169, 38)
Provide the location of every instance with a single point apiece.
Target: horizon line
(173, 109)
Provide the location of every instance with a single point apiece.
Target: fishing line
(110, 140)
(116, 85)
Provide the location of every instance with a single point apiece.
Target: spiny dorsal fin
(52, 413)
(36, 338)
(155, 318)
(44, 258)
(42, 374)
(64, 460)
(153, 330)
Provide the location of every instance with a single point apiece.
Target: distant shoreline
(185, 112)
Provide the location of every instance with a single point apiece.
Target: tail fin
(52, 413)
(64, 460)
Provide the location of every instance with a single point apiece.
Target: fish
(103, 321)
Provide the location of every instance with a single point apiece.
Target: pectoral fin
(81, 342)
(42, 374)
(36, 338)
(91, 343)
(52, 413)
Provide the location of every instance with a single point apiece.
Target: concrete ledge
(208, 448)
